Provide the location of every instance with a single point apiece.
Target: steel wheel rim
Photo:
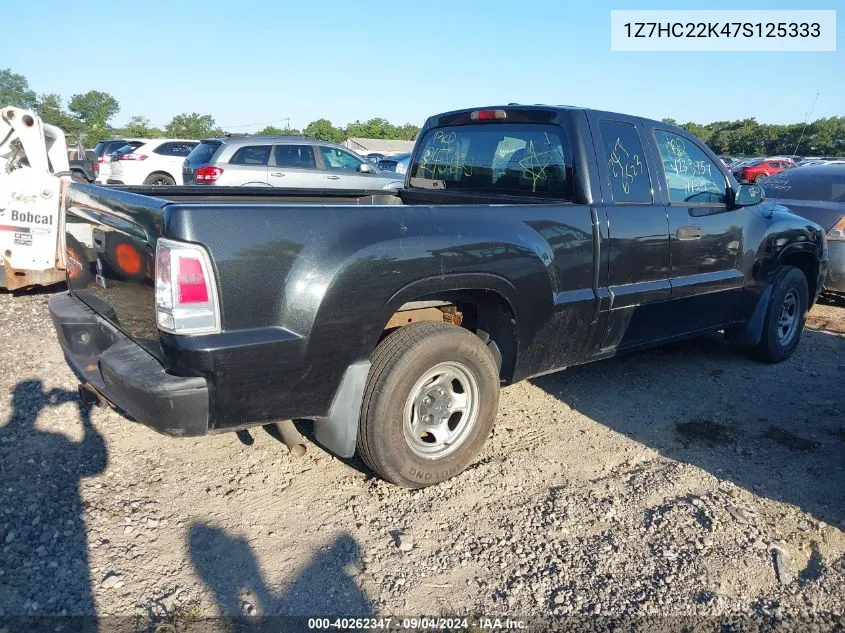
(441, 410)
(788, 319)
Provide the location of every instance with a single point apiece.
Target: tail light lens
(837, 233)
(186, 296)
(208, 174)
(132, 157)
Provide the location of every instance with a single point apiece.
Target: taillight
(132, 157)
(208, 174)
(186, 297)
(488, 115)
(837, 233)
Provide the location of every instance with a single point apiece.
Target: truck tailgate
(115, 276)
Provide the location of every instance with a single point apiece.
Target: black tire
(159, 179)
(399, 362)
(776, 343)
(760, 177)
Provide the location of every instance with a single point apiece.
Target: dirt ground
(688, 480)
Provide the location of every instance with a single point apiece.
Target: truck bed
(260, 195)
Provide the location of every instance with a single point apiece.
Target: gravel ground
(684, 481)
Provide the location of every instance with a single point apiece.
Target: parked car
(528, 239)
(817, 192)
(757, 170)
(374, 157)
(84, 166)
(282, 161)
(398, 163)
(104, 149)
(156, 162)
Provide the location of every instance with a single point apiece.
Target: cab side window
(626, 164)
(691, 177)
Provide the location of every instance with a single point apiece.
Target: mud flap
(338, 432)
(752, 332)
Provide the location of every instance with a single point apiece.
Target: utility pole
(287, 123)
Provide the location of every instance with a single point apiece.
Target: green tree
(193, 125)
(324, 130)
(94, 108)
(49, 107)
(272, 130)
(139, 127)
(14, 90)
(408, 132)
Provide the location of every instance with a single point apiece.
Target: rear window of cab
(508, 158)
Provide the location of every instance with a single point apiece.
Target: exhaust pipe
(291, 437)
(89, 395)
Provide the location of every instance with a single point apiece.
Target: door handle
(277, 173)
(688, 232)
(333, 177)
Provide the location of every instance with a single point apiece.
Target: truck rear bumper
(125, 374)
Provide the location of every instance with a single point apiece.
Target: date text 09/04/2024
(418, 624)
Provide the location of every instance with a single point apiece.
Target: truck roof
(540, 107)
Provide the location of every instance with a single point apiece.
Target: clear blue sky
(249, 62)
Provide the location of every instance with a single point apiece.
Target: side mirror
(748, 195)
(366, 168)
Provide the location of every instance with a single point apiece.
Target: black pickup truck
(526, 240)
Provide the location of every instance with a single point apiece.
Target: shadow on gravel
(772, 429)
(43, 546)
(228, 566)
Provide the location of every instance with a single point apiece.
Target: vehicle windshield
(812, 185)
(202, 153)
(751, 163)
(509, 158)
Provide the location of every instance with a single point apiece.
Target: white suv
(156, 162)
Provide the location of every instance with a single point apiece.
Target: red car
(756, 170)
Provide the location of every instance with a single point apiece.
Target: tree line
(87, 117)
(747, 137)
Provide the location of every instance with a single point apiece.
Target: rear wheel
(429, 404)
(760, 177)
(785, 316)
(159, 179)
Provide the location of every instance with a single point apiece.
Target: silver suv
(282, 161)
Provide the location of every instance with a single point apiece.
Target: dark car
(817, 192)
(526, 239)
(398, 163)
(83, 164)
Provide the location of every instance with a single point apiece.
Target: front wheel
(429, 404)
(785, 316)
(760, 178)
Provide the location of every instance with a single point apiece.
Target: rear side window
(176, 148)
(812, 185)
(202, 153)
(691, 177)
(251, 155)
(301, 156)
(508, 158)
(626, 165)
